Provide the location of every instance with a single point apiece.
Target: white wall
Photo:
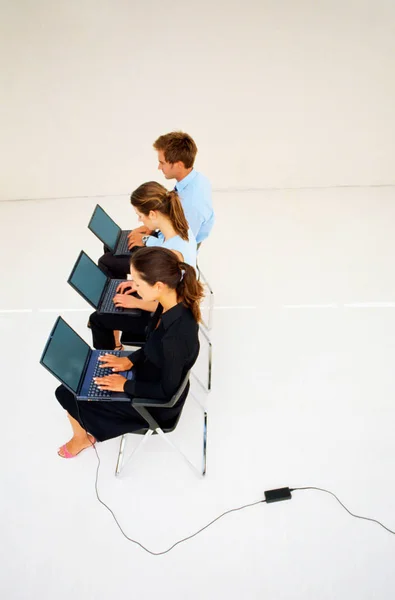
(277, 93)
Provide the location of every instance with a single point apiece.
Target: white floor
(303, 395)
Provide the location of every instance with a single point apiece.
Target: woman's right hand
(126, 287)
(116, 363)
(142, 229)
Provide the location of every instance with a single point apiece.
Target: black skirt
(105, 420)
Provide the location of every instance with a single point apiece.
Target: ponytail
(176, 214)
(190, 290)
(154, 196)
(161, 264)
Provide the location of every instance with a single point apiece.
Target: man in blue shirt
(176, 156)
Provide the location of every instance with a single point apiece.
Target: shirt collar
(180, 185)
(173, 314)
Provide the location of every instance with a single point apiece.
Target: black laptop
(71, 360)
(109, 232)
(95, 287)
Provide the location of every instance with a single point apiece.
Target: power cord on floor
(271, 496)
(175, 543)
(345, 507)
(120, 527)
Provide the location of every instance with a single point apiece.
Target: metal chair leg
(145, 437)
(210, 360)
(205, 421)
(120, 455)
(165, 437)
(201, 277)
(204, 444)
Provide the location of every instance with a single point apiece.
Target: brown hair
(177, 146)
(155, 264)
(153, 196)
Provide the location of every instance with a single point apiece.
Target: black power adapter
(278, 495)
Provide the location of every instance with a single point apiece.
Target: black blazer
(171, 349)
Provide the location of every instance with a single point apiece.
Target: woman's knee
(94, 319)
(105, 263)
(63, 396)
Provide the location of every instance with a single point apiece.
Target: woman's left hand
(126, 301)
(111, 383)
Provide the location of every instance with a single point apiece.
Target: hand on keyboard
(126, 287)
(135, 239)
(142, 229)
(111, 383)
(126, 301)
(115, 363)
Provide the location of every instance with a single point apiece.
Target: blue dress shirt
(187, 248)
(195, 193)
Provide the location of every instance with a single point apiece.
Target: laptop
(71, 360)
(109, 232)
(95, 287)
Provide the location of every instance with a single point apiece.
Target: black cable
(345, 507)
(117, 522)
(217, 518)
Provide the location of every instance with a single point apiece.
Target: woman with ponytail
(171, 350)
(157, 209)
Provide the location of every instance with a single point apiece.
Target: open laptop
(109, 232)
(95, 287)
(71, 360)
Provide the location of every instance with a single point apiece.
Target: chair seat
(168, 429)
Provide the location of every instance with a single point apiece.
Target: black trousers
(115, 267)
(103, 326)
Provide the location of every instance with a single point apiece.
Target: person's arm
(142, 229)
(175, 352)
(136, 357)
(135, 237)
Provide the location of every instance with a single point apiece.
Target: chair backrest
(180, 390)
(152, 402)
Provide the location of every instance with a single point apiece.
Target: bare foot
(76, 445)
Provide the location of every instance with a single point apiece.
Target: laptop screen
(104, 227)
(65, 355)
(88, 279)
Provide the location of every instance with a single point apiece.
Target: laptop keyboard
(122, 246)
(107, 304)
(99, 372)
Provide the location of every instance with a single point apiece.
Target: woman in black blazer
(170, 351)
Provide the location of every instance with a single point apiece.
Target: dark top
(170, 351)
